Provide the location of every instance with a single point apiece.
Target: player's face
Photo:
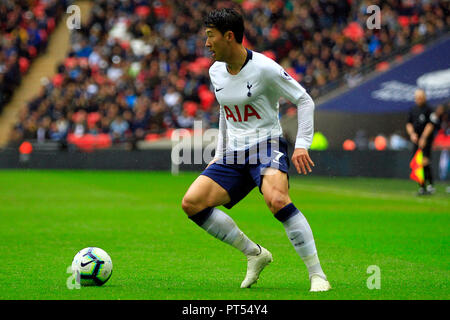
(215, 43)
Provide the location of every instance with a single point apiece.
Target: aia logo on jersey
(249, 111)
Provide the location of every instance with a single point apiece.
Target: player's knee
(425, 161)
(278, 201)
(189, 205)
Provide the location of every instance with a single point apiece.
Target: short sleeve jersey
(419, 117)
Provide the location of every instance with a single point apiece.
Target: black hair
(226, 20)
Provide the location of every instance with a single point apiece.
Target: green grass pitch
(46, 217)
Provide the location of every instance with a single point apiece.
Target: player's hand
(414, 138)
(422, 143)
(302, 161)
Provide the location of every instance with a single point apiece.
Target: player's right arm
(220, 138)
(222, 124)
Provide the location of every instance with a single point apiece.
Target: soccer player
(248, 86)
(420, 127)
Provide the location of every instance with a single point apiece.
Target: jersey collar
(249, 57)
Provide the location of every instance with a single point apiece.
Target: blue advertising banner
(393, 90)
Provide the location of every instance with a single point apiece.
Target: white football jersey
(249, 105)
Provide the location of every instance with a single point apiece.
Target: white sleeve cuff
(305, 113)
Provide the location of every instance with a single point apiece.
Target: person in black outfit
(420, 127)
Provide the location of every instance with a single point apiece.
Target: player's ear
(229, 35)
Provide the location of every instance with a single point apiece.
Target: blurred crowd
(139, 68)
(396, 141)
(24, 30)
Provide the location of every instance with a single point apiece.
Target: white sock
(300, 234)
(218, 224)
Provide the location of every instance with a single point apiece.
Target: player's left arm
(305, 113)
(302, 160)
(290, 89)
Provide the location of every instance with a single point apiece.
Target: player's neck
(236, 60)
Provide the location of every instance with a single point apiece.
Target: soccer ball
(92, 267)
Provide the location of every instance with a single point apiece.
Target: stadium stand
(25, 27)
(139, 68)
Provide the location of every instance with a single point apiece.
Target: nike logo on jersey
(217, 90)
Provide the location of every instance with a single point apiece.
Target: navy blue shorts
(238, 172)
